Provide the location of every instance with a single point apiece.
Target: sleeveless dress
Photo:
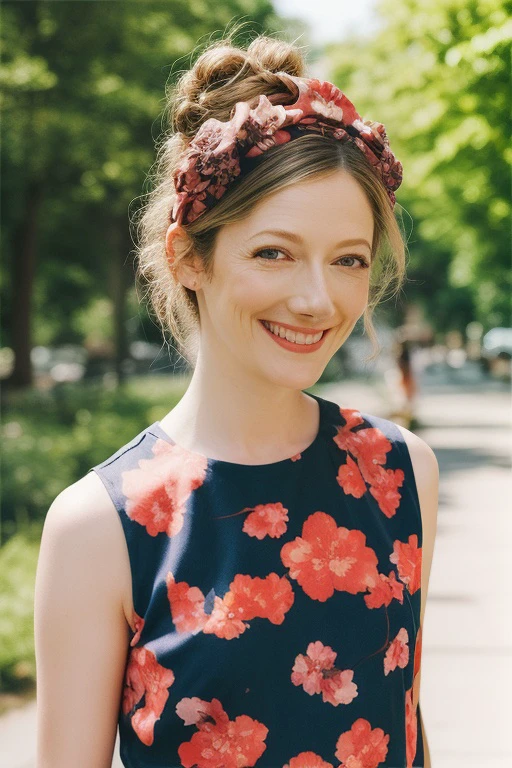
(277, 606)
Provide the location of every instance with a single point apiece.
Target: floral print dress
(277, 606)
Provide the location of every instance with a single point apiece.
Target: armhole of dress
(113, 489)
(403, 449)
(403, 459)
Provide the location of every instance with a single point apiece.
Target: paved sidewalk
(467, 641)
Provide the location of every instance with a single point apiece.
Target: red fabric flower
(417, 651)
(362, 746)
(397, 655)
(407, 556)
(411, 729)
(316, 672)
(384, 591)
(156, 491)
(366, 456)
(139, 622)
(326, 558)
(266, 520)
(307, 760)
(248, 597)
(219, 742)
(145, 677)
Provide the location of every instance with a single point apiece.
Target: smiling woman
(259, 591)
(215, 171)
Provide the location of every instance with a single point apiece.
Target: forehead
(327, 208)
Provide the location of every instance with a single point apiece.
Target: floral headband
(214, 158)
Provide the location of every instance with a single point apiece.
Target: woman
(262, 601)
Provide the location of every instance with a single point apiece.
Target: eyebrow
(297, 239)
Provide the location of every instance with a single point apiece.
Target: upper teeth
(298, 338)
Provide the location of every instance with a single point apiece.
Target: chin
(286, 378)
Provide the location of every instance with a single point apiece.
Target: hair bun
(276, 56)
(225, 74)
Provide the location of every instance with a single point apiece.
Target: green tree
(82, 95)
(437, 75)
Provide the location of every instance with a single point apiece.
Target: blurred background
(83, 366)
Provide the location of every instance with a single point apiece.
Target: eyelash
(364, 263)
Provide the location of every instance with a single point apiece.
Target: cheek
(250, 292)
(352, 295)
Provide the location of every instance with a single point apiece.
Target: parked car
(496, 352)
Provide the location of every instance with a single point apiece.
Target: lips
(293, 346)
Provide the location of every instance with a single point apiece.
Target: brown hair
(222, 75)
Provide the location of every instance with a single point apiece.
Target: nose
(311, 294)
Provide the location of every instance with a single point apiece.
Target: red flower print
(307, 760)
(384, 591)
(362, 747)
(411, 729)
(316, 672)
(398, 652)
(384, 489)
(266, 520)
(187, 605)
(326, 558)
(407, 556)
(269, 598)
(417, 651)
(139, 625)
(366, 455)
(157, 490)
(226, 619)
(145, 676)
(219, 741)
(351, 479)
(248, 598)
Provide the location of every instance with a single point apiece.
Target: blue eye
(263, 250)
(361, 259)
(258, 254)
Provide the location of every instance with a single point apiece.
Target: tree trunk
(23, 272)
(121, 277)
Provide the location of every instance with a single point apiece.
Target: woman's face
(315, 277)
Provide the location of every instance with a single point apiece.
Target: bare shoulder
(85, 503)
(80, 628)
(84, 515)
(423, 458)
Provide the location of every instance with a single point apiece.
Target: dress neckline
(157, 430)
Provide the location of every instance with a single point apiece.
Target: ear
(176, 242)
(173, 231)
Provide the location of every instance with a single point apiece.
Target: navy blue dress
(277, 606)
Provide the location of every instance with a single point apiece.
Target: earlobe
(174, 230)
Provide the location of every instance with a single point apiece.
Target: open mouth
(295, 346)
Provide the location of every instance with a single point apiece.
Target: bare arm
(81, 633)
(426, 472)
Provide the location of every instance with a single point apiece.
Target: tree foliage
(83, 98)
(437, 75)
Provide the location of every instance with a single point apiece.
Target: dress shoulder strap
(129, 486)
